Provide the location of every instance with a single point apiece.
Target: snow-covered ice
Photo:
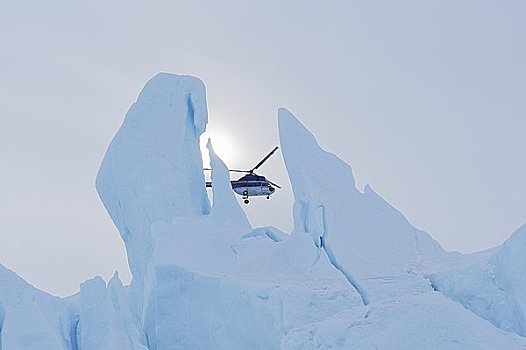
(492, 284)
(353, 273)
(31, 319)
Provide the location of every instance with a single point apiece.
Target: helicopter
(252, 184)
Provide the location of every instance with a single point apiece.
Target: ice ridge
(353, 274)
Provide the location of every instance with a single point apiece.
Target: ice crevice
(74, 332)
(325, 246)
(349, 277)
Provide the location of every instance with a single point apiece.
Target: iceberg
(387, 260)
(202, 276)
(152, 170)
(352, 274)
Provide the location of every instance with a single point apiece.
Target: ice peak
(304, 152)
(178, 92)
(153, 170)
(358, 231)
(225, 204)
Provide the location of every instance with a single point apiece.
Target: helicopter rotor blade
(264, 159)
(273, 184)
(232, 170)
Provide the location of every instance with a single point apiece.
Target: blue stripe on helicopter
(236, 184)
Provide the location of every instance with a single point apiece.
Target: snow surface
(353, 273)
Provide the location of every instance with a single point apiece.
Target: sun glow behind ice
(221, 144)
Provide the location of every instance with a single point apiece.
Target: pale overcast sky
(425, 100)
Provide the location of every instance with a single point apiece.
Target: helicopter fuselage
(252, 185)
